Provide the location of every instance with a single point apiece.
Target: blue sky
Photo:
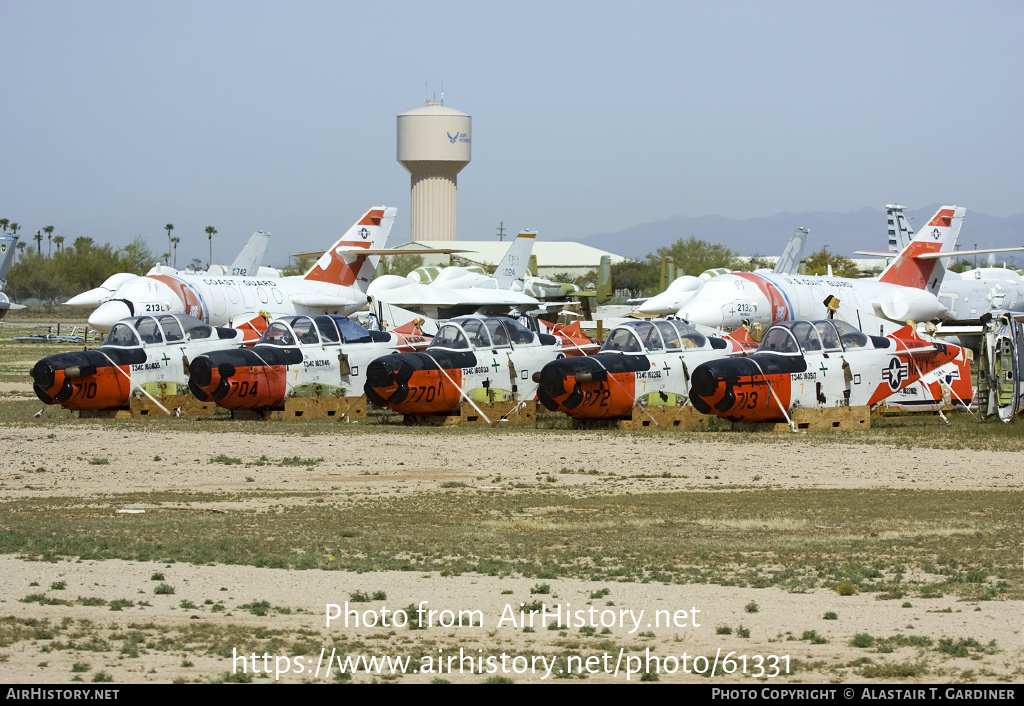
(119, 117)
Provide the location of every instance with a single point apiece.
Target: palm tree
(22, 246)
(175, 242)
(169, 227)
(49, 240)
(4, 222)
(210, 232)
(59, 240)
(14, 228)
(38, 237)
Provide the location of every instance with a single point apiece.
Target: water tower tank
(434, 145)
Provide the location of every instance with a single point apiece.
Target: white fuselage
(727, 301)
(223, 301)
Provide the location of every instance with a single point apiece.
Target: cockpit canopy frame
(317, 330)
(802, 337)
(658, 336)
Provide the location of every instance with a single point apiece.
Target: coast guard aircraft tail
(345, 262)
(919, 264)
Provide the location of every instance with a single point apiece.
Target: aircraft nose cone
(702, 313)
(91, 298)
(108, 314)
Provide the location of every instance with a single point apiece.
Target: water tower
(434, 145)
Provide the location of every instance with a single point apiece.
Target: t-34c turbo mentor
(472, 358)
(641, 362)
(297, 356)
(142, 354)
(335, 284)
(814, 364)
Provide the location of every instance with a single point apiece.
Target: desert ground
(183, 550)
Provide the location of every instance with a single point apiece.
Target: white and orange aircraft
(145, 355)
(815, 364)
(906, 289)
(297, 356)
(335, 284)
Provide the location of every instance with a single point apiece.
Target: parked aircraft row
(477, 359)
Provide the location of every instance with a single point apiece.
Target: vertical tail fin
(789, 262)
(513, 266)
(900, 232)
(604, 280)
(342, 263)
(668, 272)
(532, 269)
(909, 269)
(248, 262)
(7, 243)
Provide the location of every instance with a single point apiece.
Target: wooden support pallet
(188, 405)
(825, 419)
(517, 413)
(141, 407)
(662, 417)
(884, 411)
(297, 409)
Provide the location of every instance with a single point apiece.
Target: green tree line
(73, 269)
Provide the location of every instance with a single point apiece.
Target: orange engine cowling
(745, 389)
(243, 378)
(591, 387)
(414, 384)
(86, 380)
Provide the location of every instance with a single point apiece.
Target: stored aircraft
(297, 356)
(7, 243)
(641, 362)
(460, 290)
(143, 354)
(819, 364)
(472, 358)
(335, 284)
(906, 289)
(967, 296)
(682, 288)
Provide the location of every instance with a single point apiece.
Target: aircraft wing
(386, 251)
(324, 299)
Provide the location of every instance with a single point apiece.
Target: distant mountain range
(843, 233)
